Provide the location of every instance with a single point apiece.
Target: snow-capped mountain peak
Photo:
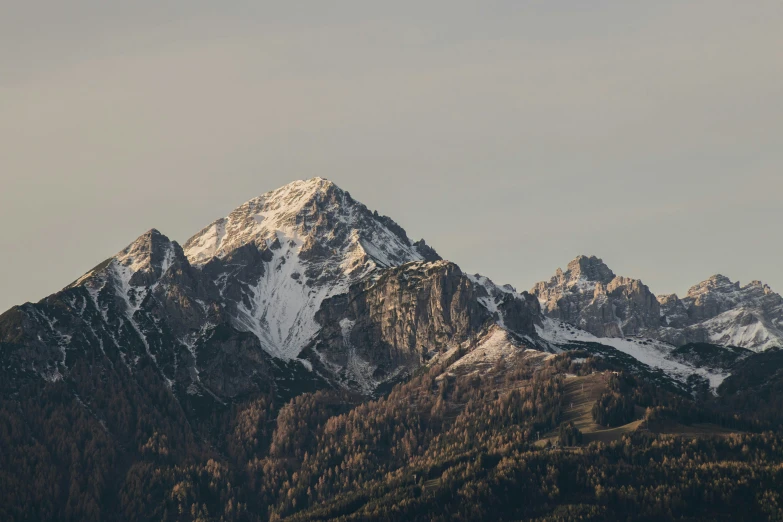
(315, 212)
(719, 294)
(308, 240)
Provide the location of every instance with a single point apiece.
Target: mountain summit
(588, 295)
(315, 213)
(276, 258)
(721, 311)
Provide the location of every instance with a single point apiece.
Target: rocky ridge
(304, 287)
(410, 314)
(589, 296)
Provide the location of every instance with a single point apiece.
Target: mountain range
(304, 290)
(590, 296)
(307, 278)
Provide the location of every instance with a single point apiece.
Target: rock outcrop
(589, 295)
(409, 314)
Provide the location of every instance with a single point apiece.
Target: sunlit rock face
(589, 295)
(407, 315)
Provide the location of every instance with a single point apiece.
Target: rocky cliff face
(396, 322)
(590, 296)
(674, 312)
(718, 311)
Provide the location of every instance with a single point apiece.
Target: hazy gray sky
(512, 135)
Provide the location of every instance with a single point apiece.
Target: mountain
(237, 305)
(303, 359)
(277, 257)
(589, 296)
(409, 315)
(305, 281)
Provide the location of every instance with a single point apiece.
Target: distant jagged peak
(717, 282)
(590, 276)
(590, 296)
(582, 274)
(589, 269)
(720, 289)
(667, 298)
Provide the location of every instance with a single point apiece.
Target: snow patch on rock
(650, 352)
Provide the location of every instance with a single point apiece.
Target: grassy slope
(582, 393)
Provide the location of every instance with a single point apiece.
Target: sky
(511, 135)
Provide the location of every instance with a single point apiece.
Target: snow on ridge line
(256, 219)
(494, 346)
(287, 208)
(654, 354)
(759, 334)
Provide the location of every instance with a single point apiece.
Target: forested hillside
(439, 447)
